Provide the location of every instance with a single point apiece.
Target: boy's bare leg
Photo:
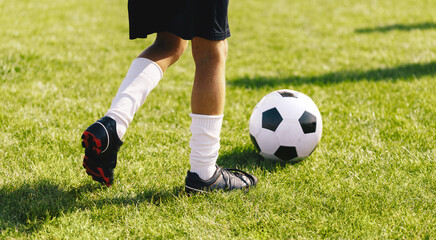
(207, 104)
(208, 93)
(208, 97)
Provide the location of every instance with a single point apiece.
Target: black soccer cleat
(224, 179)
(101, 144)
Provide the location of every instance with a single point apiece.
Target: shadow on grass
(398, 27)
(27, 207)
(401, 72)
(248, 159)
(152, 196)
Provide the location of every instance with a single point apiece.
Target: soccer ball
(285, 125)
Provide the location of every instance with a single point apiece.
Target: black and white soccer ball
(285, 125)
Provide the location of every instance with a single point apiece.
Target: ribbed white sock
(205, 143)
(142, 77)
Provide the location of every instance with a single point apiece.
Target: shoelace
(238, 173)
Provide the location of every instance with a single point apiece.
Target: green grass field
(369, 65)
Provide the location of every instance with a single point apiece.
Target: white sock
(205, 143)
(142, 77)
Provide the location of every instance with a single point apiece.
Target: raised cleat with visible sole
(101, 144)
(222, 179)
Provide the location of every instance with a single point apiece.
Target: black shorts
(184, 18)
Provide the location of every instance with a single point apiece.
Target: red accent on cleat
(97, 150)
(106, 179)
(90, 140)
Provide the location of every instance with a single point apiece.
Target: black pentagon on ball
(286, 153)
(253, 139)
(285, 93)
(308, 122)
(271, 119)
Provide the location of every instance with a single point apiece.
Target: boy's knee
(208, 50)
